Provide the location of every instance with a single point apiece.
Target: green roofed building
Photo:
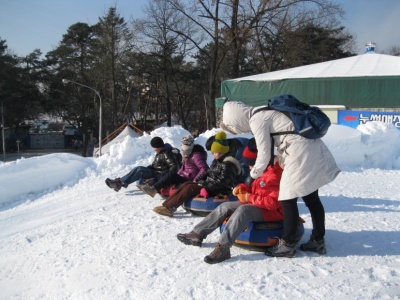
(369, 80)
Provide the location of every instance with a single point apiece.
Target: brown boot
(220, 253)
(191, 238)
(115, 184)
(149, 190)
(162, 210)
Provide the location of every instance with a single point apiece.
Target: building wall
(47, 141)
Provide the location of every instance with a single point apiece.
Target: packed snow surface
(65, 235)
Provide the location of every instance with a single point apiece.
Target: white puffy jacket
(307, 163)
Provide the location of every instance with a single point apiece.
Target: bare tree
(159, 34)
(394, 50)
(269, 41)
(228, 26)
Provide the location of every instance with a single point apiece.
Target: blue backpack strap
(271, 161)
(287, 114)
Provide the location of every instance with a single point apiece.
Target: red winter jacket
(264, 193)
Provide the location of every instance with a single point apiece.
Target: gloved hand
(243, 197)
(240, 189)
(150, 181)
(203, 193)
(248, 181)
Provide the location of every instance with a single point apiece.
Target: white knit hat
(187, 145)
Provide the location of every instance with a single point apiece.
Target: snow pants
(241, 215)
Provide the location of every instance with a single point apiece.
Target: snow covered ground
(65, 235)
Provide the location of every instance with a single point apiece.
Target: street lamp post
(65, 81)
(2, 133)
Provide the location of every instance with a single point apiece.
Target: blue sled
(258, 236)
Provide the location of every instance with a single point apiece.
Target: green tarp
(352, 92)
(364, 81)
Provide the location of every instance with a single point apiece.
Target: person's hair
(157, 142)
(209, 142)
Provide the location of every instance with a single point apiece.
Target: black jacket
(222, 176)
(167, 160)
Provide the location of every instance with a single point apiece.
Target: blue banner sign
(353, 118)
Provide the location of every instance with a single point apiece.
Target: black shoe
(191, 238)
(314, 246)
(220, 253)
(115, 184)
(282, 249)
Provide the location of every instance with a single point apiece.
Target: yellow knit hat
(220, 144)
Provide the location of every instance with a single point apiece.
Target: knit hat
(187, 145)
(220, 144)
(157, 142)
(249, 154)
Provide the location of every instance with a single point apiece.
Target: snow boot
(115, 184)
(149, 190)
(314, 246)
(282, 249)
(162, 210)
(191, 238)
(220, 253)
(140, 187)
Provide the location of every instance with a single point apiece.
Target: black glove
(248, 181)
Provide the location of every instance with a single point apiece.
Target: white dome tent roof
(128, 131)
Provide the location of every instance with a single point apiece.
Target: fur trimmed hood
(233, 160)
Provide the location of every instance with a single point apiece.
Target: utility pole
(2, 131)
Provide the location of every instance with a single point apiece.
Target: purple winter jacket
(195, 164)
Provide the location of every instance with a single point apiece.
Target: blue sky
(30, 24)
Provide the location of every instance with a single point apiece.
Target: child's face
(157, 150)
(217, 155)
(186, 152)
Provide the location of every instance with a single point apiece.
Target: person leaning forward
(307, 165)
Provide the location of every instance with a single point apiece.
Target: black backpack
(309, 121)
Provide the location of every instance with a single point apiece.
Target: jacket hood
(166, 147)
(235, 118)
(233, 160)
(198, 148)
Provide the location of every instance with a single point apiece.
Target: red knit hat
(249, 154)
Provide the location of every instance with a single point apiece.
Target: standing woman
(307, 165)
